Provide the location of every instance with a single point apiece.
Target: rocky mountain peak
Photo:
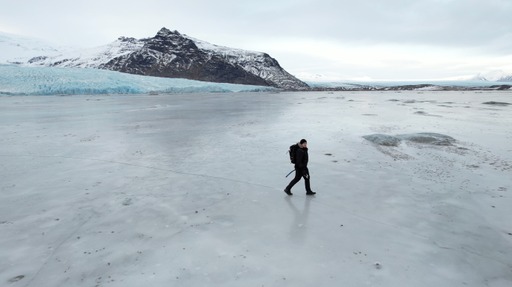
(164, 32)
(167, 41)
(127, 39)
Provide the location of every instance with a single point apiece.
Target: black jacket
(301, 158)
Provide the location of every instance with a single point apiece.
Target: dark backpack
(293, 152)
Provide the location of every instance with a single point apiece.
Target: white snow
(223, 50)
(19, 49)
(91, 57)
(187, 190)
(18, 80)
(15, 48)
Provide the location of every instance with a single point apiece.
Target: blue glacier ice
(19, 80)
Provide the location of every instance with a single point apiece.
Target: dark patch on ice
(428, 138)
(89, 138)
(330, 154)
(422, 113)
(382, 139)
(422, 138)
(16, 279)
(503, 104)
(127, 201)
(370, 115)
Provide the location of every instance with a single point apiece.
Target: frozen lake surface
(413, 189)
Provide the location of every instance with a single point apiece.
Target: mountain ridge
(175, 55)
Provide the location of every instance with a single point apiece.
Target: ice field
(413, 189)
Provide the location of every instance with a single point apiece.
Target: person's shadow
(298, 230)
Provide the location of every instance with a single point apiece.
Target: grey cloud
(470, 23)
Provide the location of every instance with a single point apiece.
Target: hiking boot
(287, 191)
(310, 193)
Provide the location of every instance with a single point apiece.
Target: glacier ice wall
(17, 80)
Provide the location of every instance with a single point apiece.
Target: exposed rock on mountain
(174, 55)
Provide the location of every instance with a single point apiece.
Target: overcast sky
(338, 39)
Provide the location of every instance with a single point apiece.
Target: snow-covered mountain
(18, 49)
(494, 76)
(89, 58)
(174, 55)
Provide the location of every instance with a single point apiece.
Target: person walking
(301, 168)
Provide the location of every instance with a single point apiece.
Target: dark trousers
(299, 173)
